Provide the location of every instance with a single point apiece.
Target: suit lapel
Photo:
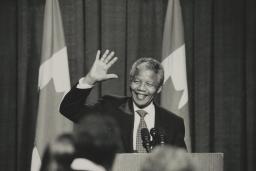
(158, 117)
(165, 124)
(127, 123)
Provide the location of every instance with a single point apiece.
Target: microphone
(155, 134)
(161, 137)
(145, 136)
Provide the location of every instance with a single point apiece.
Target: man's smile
(140, 96)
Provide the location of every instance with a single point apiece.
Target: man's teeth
(141, 96)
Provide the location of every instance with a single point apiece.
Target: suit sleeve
(72, 105)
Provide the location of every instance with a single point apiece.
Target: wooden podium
(133, 161)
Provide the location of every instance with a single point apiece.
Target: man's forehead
(144, 67)
(145, 71)
(146, 74)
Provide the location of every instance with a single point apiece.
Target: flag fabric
(53, 83)
(174, 96)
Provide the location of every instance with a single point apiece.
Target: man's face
(144, 86)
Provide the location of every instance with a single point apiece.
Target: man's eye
(150, 84)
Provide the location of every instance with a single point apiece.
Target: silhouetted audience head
(58, 154)
(167, 158)
(97, 140)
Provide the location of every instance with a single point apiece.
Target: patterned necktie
(142, 124)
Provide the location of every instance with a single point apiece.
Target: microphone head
(145, 136)
(161, 137)
(154, 132)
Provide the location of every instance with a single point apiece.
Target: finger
(104, 55)
(111, 76)
(109, 57)
(111, 62)
(98, 55)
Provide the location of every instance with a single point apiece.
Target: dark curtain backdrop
(221, 39)
(220, 44)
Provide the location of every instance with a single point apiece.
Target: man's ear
(159, 89)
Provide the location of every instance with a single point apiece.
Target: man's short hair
(151, 64)
(168, 158)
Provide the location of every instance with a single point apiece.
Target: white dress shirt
(82, 85)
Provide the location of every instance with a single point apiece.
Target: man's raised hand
(100, 67)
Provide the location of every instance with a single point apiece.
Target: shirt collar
(148, 108)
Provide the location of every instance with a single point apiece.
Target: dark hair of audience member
(97, 138)
(59, 154)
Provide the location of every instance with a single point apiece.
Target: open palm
(99, 70)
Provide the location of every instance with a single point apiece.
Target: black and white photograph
(128, 85)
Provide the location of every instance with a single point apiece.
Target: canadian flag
(174, 96)
(53, 83)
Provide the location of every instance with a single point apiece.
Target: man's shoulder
(167, 114)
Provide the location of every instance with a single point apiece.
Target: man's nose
(142, 87)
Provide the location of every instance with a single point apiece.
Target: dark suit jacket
(121, 109)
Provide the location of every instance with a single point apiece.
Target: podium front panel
(133, 161)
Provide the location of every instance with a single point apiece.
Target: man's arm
(72, 106)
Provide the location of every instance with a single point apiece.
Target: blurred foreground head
(98, 139)
(167, 158)
(58, 154)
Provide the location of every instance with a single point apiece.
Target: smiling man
(146, 79)
(132, 113)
